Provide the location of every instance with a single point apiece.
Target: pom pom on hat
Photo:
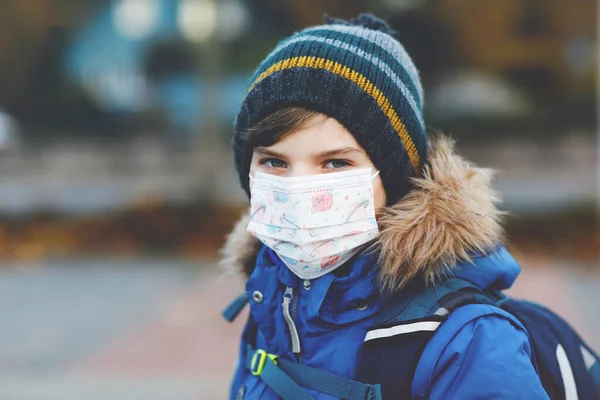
(365, 20)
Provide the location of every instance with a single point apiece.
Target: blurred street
(153, 330)
(114, 330)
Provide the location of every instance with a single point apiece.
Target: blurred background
(117, 185)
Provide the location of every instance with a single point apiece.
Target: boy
(354, 208)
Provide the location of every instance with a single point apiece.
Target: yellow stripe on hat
(362, 82)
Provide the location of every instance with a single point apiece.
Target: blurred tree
(431, 44)
(544, 47)
(293, 15)
(170, 57)
(33, 34)
(514, 35)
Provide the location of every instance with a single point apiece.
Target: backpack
(567, 367)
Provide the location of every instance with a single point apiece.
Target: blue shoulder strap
(423, 302)
(288, 378)
(235, 307)
(394, 344)
(427, 362)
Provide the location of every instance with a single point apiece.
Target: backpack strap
(427, 361)
(394, 344)
(234, 308)
(288, 378)
(423, 302)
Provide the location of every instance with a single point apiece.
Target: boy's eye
(273, 163)
(336, 164)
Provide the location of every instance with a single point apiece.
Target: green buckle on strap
(259, 359)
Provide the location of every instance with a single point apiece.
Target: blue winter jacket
(449, 213)
(488, 358)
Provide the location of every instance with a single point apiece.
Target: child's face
(322, 145)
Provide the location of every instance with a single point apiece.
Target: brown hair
(276, 126)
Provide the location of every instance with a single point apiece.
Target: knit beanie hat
(355, 72)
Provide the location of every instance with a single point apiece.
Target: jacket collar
(449, 216)
(335, 299)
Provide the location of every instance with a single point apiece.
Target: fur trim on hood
(448, 216)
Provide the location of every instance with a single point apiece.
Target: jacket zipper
(289, 301)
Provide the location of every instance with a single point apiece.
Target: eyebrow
(339, 152)
(325, 154)
(266, 152)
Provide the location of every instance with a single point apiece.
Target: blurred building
(138, 55)
(544, 44)
(123, 108)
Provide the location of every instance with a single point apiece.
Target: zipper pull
(288, 296)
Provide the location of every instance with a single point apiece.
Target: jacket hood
(438, 228)
(496, 271)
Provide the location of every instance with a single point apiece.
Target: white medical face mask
(314, 223)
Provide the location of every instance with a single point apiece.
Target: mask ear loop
(251, 178)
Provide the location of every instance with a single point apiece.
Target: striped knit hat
(355, 72)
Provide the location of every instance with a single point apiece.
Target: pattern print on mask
(314, 223)
(322, 249)
(289, 260)
(290, 224)
(329, 261)
(282, 246)
(281, 197)
(322, 202)
(359, 211)
(273, 228)
(258, 214)
(289, 221)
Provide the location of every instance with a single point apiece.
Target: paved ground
(151, 330)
